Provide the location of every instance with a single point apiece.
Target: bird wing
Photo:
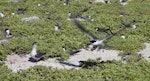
(40, 54)
(84, 30)
(67, 1)
(109, 36)
(126, 24)
(75, 15)
(86, 18)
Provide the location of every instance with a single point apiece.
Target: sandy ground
(18, 63)
(146, 52)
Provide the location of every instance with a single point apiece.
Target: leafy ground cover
(51, 41)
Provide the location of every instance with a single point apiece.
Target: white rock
(30, 19)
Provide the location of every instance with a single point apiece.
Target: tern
(20, 11)
(130, 25)
(66, 2)
(123, 59)
(124, 2)
(57, 28)
(104, 1)
(79, 17)
(7, 33)
(95, 42)
(74, 15)
(36, 55)
(104, 30)
(87, 18)
(2, 14)
(44, 4)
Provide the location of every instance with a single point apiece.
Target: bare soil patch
(18, 63)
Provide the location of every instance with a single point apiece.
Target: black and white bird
(66, 2)
(7, 33)
(124, 2)
(103, 1)
(44, 4)
(95, 42)
(140, 57)
(64, 48)
(104, 30)
(20, 11)
(79, 17)
(123, 59)
(57, 28)
(74, 15)
(35, 54)
(87, 18)
(2, 14)
(130, 25)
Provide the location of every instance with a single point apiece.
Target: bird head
(7, 31)
(96, 28)
(92, 41)
(69, 14)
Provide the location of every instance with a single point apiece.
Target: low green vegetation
(111, 70)
(51, 41)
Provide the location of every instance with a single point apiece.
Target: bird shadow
(92, 63)
(69, 64)
(33, 60)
